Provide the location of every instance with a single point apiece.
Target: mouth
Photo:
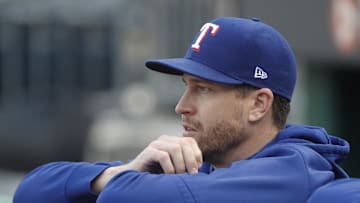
(189, 131)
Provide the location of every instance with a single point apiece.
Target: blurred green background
(73, 85)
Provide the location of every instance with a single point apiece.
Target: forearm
(60, 182)
(140, 187)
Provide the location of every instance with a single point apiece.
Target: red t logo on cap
(203, 31)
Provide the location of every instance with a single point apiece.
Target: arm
(167, 155)
(281, 174)
(65, 182)
(60, 182)
(136, 187)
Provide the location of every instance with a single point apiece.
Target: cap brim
(179, 66)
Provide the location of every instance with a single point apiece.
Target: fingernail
(193, 171)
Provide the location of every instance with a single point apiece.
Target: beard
(216, 141)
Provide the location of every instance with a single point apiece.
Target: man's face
(214, 115)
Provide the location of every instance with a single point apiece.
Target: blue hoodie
(288, 169)
(339, 191)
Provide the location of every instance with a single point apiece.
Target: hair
(280, 106)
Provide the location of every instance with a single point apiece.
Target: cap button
(256, 19)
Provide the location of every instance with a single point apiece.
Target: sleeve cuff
(79, 183)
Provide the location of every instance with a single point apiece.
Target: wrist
(102, 180)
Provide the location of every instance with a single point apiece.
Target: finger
(189, 141)
(196, 150)
(174, 150)
(191, 154)
(165, 162)
(177, 157)
(153, 160)
(189, 158)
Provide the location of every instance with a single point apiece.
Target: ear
(261, 104)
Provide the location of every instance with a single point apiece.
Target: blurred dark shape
(49, 66)
(65, 64)
(31, 134)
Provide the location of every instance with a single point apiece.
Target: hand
(167, 154)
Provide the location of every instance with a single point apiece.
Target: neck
(254, 141)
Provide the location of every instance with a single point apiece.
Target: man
(239, 76)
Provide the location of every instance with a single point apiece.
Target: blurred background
(73, 85)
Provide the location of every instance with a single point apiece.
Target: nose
(184, 105)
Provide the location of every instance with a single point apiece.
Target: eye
(203, 89)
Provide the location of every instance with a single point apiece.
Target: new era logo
(260, 73)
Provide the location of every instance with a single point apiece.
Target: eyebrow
(212, 84)
(197, 80)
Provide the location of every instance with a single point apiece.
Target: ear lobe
(261, 105)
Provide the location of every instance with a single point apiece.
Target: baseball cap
(237, 51)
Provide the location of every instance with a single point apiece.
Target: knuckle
(184, 141)
(176, 148)
(198, 153)
(154, 142)
(190, 140)
(148, 150)
(163, 136)
(163, 156)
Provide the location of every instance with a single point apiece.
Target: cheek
(228, 108)
(210, 115)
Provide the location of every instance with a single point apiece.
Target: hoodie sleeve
(60, 182)
(284, 174)
(136, 187)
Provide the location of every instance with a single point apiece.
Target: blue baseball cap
(237, 51)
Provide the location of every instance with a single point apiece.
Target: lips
(191, 126)
(189, 130)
